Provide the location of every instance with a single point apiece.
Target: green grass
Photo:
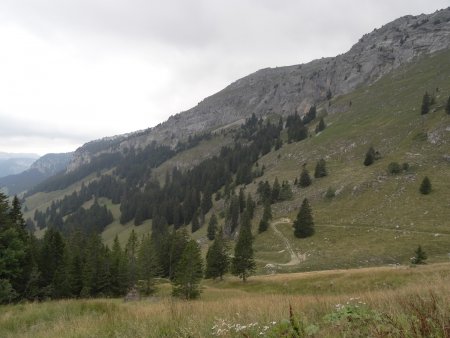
(376, 218)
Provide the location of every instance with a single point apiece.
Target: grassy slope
(376, 218)
(226, 305)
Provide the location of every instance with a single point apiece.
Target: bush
(394, 168)
(331, 192)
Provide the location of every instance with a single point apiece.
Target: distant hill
(14, 163)
(36, 172)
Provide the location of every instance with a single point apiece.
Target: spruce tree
(321, 169)
(425, 104)
(217, 258)
(267, 216)
(305, 179)
(148, 265)
(188, 272)
(286, 192)
(212, 225)
(420, 256)
(370, 157)
(131, 251)
(321, 126)
(304, 224)
(276, 190)
(195, 222)
(250, 206)
(119, 269)
(425, 186)
(243, 263)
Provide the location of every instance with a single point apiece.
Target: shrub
(394, 168)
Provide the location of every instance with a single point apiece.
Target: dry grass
(418, 307)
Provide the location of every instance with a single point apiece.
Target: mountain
(285, 90)
(14, 163)
(196, 163)
(41, 169)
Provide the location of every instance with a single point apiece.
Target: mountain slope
(285, 90)
(41, 169)
(374, 218)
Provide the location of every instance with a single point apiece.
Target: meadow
(401, 301)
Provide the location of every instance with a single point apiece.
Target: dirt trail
(295, 259)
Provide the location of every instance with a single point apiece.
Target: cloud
(93, 68)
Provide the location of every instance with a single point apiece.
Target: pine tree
(267, 216)
(119, 269)
(304, 224)
(212, 225)
(286, 192)
(425, 104)
(188, 272)
(217, 258)
(447, 107)
(420, 256)
(195, 222)
(243, 263)
(250, 206)
(370, 157)
(148, 265)
(425, 186)
(305, 179)
(12, 254)
(241, 200)
(131, 251)
(321, 126)
(321, 169)
(275, 190)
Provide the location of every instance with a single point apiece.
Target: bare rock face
(285, 90)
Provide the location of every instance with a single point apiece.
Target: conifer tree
(250, 206)
(241, 200)
(243, 263)
(425, 186)
(321, 126)
(321, 169)
(131, 251)
(267, 216)
(304, 224)
(212, 225)
(188, 272)
(119, 271)
(275, 190)
(217, 258)
(420, 256)
(425, 104)
(305, 179)
(176, 243)
(370, 157)
(148, 265)
(195, 222)
(286, 192)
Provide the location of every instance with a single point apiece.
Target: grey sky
(73, 71)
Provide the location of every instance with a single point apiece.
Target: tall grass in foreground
(418, 309)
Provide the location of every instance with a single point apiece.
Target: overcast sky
(76, 70)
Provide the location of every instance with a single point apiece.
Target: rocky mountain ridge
(285, 90)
